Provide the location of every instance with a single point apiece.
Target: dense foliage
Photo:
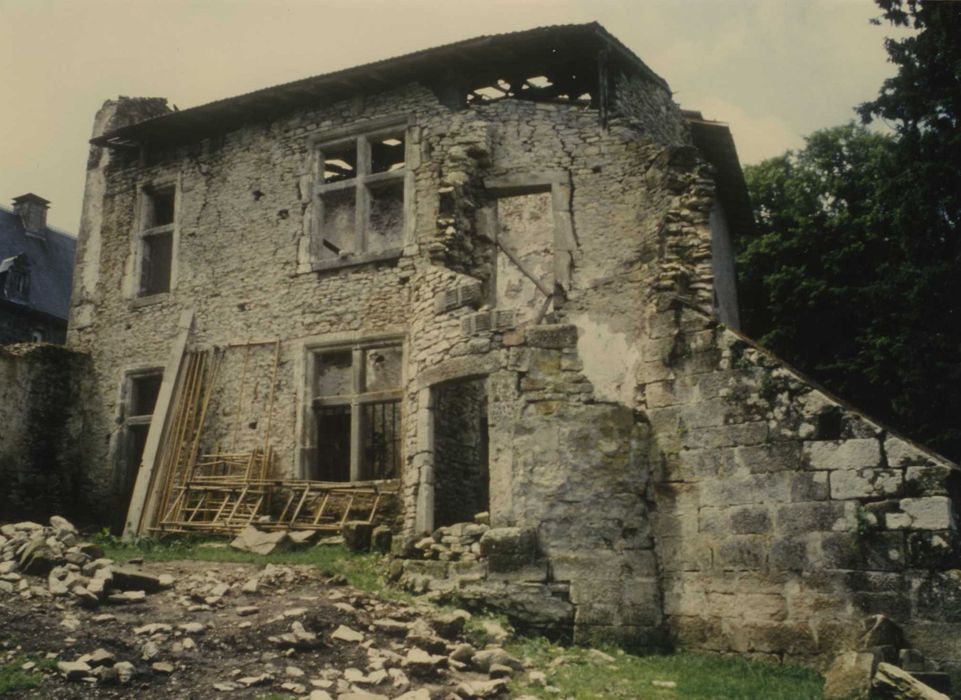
(855, 273)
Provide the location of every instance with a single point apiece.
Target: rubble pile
(885, 666)
(209, 629)
(73, 568)
(458, 542)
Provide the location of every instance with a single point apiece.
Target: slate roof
(51, 263)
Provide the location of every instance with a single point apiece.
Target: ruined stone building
(36, 274)
(498, 275)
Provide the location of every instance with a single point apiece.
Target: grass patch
(697, 676)
(13, 681)
(364, 571)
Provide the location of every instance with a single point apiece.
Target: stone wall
(43, 469)
(782, 516)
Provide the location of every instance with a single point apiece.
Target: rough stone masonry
(499, 273)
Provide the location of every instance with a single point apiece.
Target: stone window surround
(132, 279)
(558, 183)
(126, 405)
(305, 379)
(426, 386)
(358, 133)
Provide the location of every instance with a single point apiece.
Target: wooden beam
(603, 85)
(136, 522)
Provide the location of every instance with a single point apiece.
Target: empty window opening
(361, 197)
(333, 436)
(140, 397)
(357, 413)
(340, 162)
(461, 471)
(160, 207)
(387, 154)
(135, 440)
(144, 390)
(559, 87)
(156, 258)
(156, 240)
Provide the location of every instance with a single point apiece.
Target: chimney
(32, 211)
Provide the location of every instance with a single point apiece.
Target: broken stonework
(892, 682)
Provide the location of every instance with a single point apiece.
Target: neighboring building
(498, 273)
(36, 274)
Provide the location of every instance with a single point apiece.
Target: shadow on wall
(41, 466)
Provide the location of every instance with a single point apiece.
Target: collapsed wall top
(576, 60)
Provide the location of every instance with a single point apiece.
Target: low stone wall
(42, 468)
(783, 517)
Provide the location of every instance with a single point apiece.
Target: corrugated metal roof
(480, 55)
(715, 142)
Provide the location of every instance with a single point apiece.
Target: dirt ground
(250, 632)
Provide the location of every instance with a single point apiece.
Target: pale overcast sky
(774, 69)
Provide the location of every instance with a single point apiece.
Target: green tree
(922, 103)
(812, 283)
(922, 198)
(855, 275)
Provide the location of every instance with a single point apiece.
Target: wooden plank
(140, 514)
(603, 85)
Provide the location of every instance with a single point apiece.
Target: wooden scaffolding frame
(224, 491)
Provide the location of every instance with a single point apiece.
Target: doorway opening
(140, 396)
(461, 471)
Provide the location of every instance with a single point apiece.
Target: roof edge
(589, 29)
(51, 229)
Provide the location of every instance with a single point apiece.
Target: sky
(775, 70)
